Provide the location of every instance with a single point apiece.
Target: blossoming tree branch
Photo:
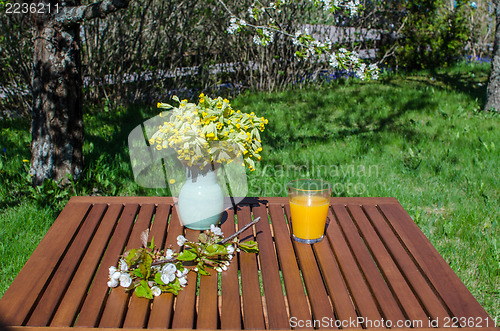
(261, 18)
(149, 271)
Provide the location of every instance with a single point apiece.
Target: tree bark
(493, 91)
(57, 124)
(57, 119)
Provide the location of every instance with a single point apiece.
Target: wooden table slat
(391, 309)
(253, 314)
(452, 290)
(67, 311)
(230, 314)
(275, 300)
(19, 299)
(297, 301)
(139, 307)
(318, 297)
(373, 265)
(162, 307)
(92, 306)
(185, 304)
(426, 295)
(207, 302)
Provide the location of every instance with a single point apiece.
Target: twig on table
(239, 231)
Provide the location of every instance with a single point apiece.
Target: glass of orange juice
(309, 201)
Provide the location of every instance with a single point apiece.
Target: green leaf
(145, 266)
(135, 256)
(152, 244)
(138, 273)
(174, 287)
(130, 256)
(215, 249)
(202, 270)
(203, 238)
(143, 290)
(249, 247)
(186, 255)
(158, 279)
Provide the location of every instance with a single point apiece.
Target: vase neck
(207, 176)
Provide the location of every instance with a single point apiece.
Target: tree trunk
(57, 119)
(493, 92)
(57, 123)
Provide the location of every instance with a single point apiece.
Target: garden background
(419, 133)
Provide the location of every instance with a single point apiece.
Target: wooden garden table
(374, 268)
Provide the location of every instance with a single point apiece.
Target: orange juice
(308, 216)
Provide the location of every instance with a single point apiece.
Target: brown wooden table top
(374, 268)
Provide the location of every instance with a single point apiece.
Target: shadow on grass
(463, 82)
(319, 127)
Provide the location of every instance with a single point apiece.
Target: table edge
(50, 328)
(245, 200)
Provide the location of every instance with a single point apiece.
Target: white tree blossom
(169, 254)
(168, 273)
(181, 240)
(265, 28)
(125, 280)
(113, 283)
(156, 291)
(216, 230)
(123, 265)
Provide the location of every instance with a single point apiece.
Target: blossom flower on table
(150, 271)
(181, 240)
(123, 265)
(156, 291)
(169, 254)
(168, 273)
(216, 230)
(114, 276)
(125, 280)
(181, 276)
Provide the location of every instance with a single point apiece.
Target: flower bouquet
(209, 133)
(205, 137)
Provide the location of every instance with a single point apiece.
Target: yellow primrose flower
(193, 127)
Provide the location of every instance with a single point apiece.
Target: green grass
(421, 138)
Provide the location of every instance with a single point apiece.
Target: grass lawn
(421, 138)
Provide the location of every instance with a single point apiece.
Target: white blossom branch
(307, 44)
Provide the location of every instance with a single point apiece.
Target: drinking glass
(309, 202)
